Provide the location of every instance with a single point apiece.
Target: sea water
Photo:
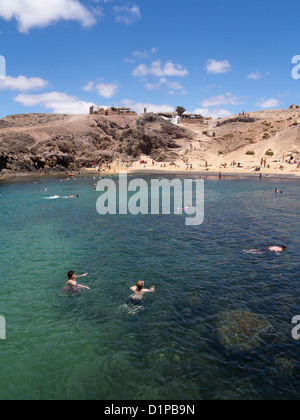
(195, 338)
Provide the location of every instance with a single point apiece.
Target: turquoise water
(174, 346)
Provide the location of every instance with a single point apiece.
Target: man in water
(72, 285)
(277, 249)
(139, 290)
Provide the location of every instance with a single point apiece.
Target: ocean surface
(218, 326)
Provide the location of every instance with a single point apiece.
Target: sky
(214, 58)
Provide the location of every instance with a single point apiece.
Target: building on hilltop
(110, 110)
(193, 117)
(187, 118)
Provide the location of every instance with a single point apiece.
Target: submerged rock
(242, 330)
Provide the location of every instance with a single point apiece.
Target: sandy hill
(57, 142)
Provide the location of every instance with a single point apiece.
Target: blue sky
(215, 58)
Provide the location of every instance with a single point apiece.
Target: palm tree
(180, 110)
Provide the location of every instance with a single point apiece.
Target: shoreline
(114, 171)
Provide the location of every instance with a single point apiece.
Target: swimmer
(70, 196)
(277, 249)
(54, 197)
(139, 290)
(72, 284)
(183, 208)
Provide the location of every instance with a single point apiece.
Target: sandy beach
(214, 169)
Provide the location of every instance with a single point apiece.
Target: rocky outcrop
(239, 119)
(56, 143)
(152, 136)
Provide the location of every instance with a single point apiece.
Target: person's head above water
(71, 274)
(284, 246)
(140, 285)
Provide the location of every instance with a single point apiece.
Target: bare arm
(149, 290)
(83, 287)
(75, 284)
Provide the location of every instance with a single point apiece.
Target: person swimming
(276, 249)
(55, 197)
(134, 302)
(72, 285)
(139, 290)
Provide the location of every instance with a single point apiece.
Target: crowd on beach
(271, 166)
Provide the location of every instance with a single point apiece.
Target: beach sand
(214, 169)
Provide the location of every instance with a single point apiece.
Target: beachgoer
(262, 251)
(139, 289)
(72, 284)
(277, 248)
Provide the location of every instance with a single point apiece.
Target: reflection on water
(218, 326)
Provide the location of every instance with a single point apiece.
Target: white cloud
(174, 86)
(219, 100)
(127, 14)
(89, 87)
(215, 113)
(107, 90)
(267, 103)
(157, 70)
(218, 67)
(254, 76)
(38, 14)
(57, 102)
(139, 107)
(22, 83)
(139, 55)
(257, 76)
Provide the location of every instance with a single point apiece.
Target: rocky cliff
(58, 142)
(54, 143)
